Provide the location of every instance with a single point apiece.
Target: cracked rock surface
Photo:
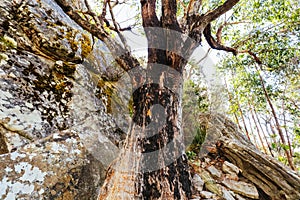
(56, 138)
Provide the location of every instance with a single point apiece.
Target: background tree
(270, 89)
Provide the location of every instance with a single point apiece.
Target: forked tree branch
(213, 43)
(219, 46)
(117, 28)
(93, 14)
(121, 56)
(197, 22)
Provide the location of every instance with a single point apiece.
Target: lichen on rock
(34, 169)
(56, 137)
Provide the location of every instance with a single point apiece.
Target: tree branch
(169, 11)
(103, 14)
(196, 23)
(217, 44)
(117, 29)
(93, 14)
(4, 124)
(93, 29)
(121, 56)
(257, 60)
(219, 31)
(149, 14)
(214, 14)
(213, 43)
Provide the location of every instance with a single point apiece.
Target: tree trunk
(242, 116)
(255, 141)
(262, 130)
(158, 168)
(278, 126)
(285, 127)
(257, 129)
(155, 145)
(244, 121)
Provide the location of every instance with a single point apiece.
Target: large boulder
(56, 137)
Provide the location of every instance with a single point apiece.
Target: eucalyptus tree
(153, 164)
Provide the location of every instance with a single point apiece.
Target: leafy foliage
(270, 28)
(195, 101)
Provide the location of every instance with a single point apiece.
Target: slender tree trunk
(256, 126)
(285, 127)
(238, 121)
(252, 133)
(272, 127)
(270, 131)
(287, 153)
(243, 120)
(263, 132)
(242, 116)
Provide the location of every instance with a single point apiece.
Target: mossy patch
(6, 43)
(3, 56)
(105, 93)
(86, 45)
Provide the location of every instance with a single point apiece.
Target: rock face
(246, 173)
(213, 176)
(56, 138)
(48, 168)
(197, 183)
(240, 187)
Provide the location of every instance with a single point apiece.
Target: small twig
(204, 57)
(248, 36)
(117, 28)
(94, 16)
(3, 124)
(219, 31)
(104, 8)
